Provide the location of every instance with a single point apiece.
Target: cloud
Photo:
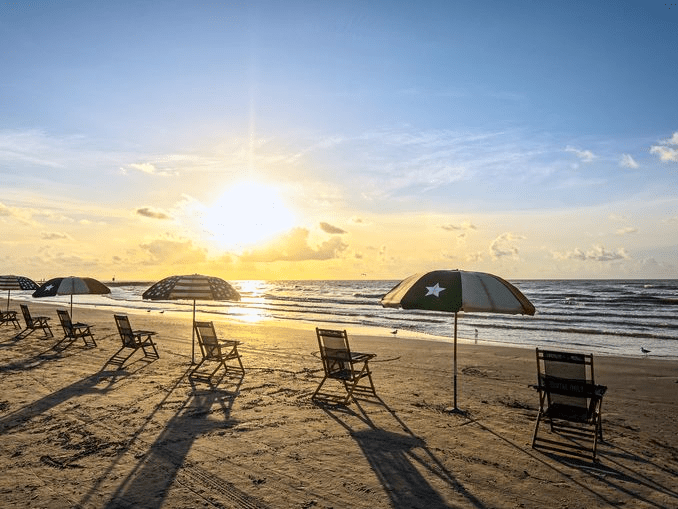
(597, 253)
(328, 228)
(627, 230)
(585, 155)
(474, 257)
(664, 149)
(174, 251)
(294, 246)
(5, 210)
(503, 246)
(150, 169)
(55, 236)
(24, 216)
(153, 213)
(466, 225)
(628, 162)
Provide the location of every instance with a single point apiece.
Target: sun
(246, 214)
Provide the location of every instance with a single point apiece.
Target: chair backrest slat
(334, 352)
(27, 315)
(567, 377)
(125, 330)
(65, 320)
(207, 338)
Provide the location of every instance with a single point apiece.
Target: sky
(338, 139)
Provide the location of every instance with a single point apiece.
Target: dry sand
(77, 432)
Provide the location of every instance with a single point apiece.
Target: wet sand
(76, 431)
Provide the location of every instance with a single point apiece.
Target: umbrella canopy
(452, 291)
(191, 287)
(71, 286)
(10, 283)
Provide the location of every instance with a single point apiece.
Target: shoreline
(300, 324)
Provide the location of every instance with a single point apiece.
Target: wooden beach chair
(215, 350)
(73, 331)
(339, 363)
(34, 323)
(568, 394)
(132, 340)
(7, 317)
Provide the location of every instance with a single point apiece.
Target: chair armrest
(599, 390)
(143, 332)
(229, 342)
(358, 357)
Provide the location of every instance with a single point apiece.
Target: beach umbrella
(71, 286)
(452, 291)
(10, 283)
(191, 287)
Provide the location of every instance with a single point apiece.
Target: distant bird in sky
(645, 351)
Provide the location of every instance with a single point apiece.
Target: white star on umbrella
(434, 290)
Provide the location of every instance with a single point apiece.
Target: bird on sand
(394, 331)
(645, 350)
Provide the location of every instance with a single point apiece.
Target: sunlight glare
(247, 213)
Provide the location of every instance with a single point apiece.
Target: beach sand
(77, 432)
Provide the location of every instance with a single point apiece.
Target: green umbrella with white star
(453, 291)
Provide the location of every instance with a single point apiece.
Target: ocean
(609, 317)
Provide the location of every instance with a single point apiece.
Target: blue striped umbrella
(191, 287)
(10, 283)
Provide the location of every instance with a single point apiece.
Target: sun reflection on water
(252, 293)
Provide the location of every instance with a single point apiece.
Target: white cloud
(596, 253)
(466, 225)
(664, 150)
(665, 153)
(585, 155)
(504, 246)
(627, 230)
(294, 246)
(628, 162)
(150, 169)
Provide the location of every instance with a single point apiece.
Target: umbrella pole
(455, 409)
(193, 336)
(8, 292)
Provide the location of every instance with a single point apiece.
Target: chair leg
(152, 345)
(197, 366)
(536, 429)
(318, 389)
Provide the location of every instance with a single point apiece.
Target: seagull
(394, 331)
(645, 351)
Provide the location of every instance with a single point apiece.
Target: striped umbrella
(71, 286)
(452, 291)
(191, 287)
(10, 283)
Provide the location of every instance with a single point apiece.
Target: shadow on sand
(398, 458)
(165, 460)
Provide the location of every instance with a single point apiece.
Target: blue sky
(336, 139)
